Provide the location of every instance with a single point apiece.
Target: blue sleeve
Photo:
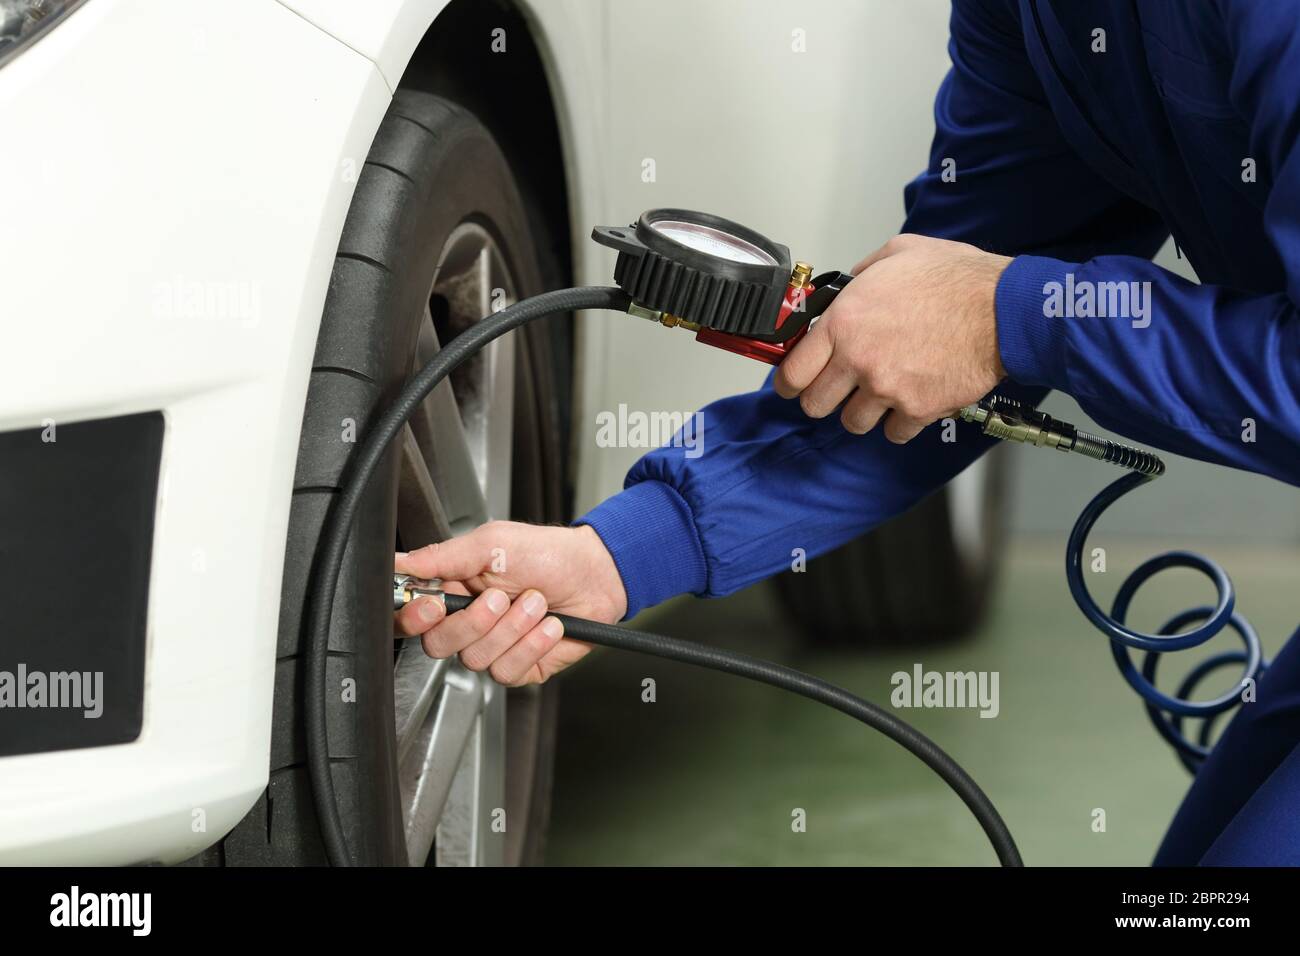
(770, 479)
(1206, 371)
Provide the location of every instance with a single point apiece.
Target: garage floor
(712, 771)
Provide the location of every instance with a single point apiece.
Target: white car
(229, 229)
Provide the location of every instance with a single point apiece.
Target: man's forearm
(772, 481)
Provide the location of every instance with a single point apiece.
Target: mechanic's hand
(514, 569)
(915, 335)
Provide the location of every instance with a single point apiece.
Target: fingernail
(497, 601)
(552, 628)
(399, 554)
(430, 610)
(534, 603)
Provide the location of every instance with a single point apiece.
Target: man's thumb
(453, 560)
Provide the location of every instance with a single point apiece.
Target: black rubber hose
(805, 685)
(333, 542)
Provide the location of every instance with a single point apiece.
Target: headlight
(23, 22)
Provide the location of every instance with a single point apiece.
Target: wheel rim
(455, 474)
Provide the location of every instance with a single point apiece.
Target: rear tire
(923, 577)
(433, 176)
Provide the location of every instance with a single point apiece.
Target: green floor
(712, 771)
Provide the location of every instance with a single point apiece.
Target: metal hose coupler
(407, 587)
(1010, 420)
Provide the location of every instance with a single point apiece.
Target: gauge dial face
(713, 242)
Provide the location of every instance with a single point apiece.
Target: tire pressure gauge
(734, 288)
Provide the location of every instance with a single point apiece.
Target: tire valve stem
(1010, 420)
(407, 587)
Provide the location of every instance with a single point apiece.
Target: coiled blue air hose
(1010, 420)
(1167, 712)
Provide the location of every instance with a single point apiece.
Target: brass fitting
(673, 322)
(662, 318)
(801, 275)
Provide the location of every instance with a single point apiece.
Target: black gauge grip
(740, 298)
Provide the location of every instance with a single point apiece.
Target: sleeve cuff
(1031, 336)
(650, 532)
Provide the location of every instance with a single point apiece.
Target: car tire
(924, 576)
(434, 181)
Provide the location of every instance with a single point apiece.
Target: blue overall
(1083, 134)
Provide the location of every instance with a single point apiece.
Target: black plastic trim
(77, 505)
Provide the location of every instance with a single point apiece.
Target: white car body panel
(144, 176)
(139, 133)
